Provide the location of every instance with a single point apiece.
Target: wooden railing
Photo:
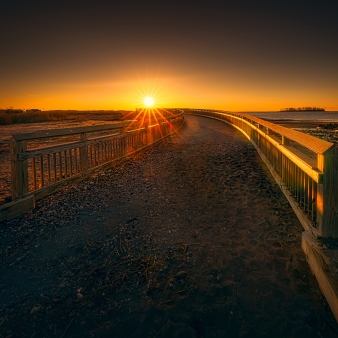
(305, 167)
(40, 171)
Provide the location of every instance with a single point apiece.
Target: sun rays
(151, 97)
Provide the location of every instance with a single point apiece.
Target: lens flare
(148, 101)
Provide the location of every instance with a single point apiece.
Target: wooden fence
(305, 167)
(83, 152)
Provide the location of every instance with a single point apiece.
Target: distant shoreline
(291, 123)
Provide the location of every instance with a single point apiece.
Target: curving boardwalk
(191, 239)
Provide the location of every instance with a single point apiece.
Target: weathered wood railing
(305, 167)
(43, 170)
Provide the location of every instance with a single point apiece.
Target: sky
(230, 55)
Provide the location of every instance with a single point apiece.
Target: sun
(148, 101)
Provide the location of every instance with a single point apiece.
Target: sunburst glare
(150, 112)
(149, 101)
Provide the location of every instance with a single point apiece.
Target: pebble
(35, 309)
(181, 275)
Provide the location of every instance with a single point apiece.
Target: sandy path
(192, 239)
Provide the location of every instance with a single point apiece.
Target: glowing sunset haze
(106, 55)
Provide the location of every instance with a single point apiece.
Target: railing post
(285, 140)
(84, 152)
(19, 169)
(320, 195)
(328, 194)
(123, 141)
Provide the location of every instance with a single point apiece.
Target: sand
(191, 239)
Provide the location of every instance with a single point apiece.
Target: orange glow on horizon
(166, 92)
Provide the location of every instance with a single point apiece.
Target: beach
(192, 238)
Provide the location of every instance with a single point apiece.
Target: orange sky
(257, 58)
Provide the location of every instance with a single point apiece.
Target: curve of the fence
(305, 167)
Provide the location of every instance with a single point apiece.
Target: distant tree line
(332, 126)
(30, 117)
(11, 110)
(303, 109)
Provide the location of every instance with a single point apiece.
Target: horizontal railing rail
(305, 167)
(42, 170)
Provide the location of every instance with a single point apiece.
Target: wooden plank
(49, 150)
(313, 143)
(95, 162)
(314, 202)
(54, 167)
(84, 153)
(60, 166)
(123, 143)
(10, 210)
(34, 172)
(68, 131)
(310, 197)
(19, 169)
(22, 170)
(105, 151)
(63, 147)
(71, 161)
(14, 168)
(90, 151)
(42, 172)
(48, 169)
(303, 161)
(100, 152)
(66, 163)
(306, 192)
(76, 150)
(330, 193)
(320, 264)
(320, 206)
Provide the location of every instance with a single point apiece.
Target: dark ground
(191, 239)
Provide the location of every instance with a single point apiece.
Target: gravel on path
(192, 238)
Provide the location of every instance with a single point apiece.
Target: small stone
(181, 275)
(35, 309)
